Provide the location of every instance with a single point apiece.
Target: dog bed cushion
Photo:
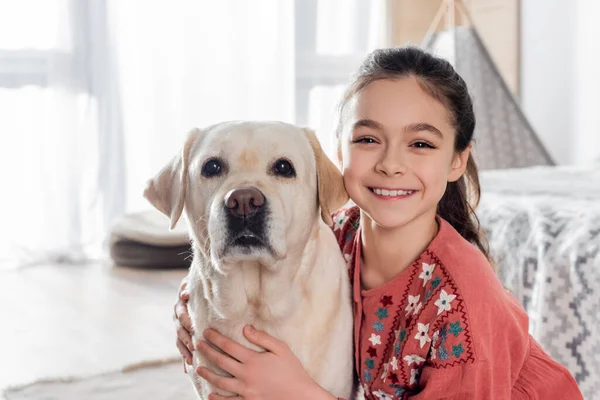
(144, 240)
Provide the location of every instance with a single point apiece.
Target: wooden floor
(60, 320)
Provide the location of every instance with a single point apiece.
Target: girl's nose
(391, 164)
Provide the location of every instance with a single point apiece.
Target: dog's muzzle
(246, 218)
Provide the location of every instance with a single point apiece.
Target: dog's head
(251, 191)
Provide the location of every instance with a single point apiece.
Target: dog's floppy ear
(331, 191)
(166, 190)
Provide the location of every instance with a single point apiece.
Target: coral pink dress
(445, 328)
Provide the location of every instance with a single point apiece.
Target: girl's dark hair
(438, 78)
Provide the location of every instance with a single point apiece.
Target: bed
(543, 225)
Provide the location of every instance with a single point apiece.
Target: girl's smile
(392, 194)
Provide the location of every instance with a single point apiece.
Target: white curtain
(96, 95)
(190, 63)
(49, 118)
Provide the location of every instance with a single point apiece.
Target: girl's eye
(366, 140)
(422, 145)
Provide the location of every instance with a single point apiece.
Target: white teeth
(391, 193)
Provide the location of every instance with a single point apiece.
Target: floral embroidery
(457, 350)
(402, 334)
(372, 351)
(382, 313)
(428, 294)
(386, 301)
(443, 303)
(375, 339)
(443, 334)
(413, 358)
(384, 376)
(367, 390)
(427, 272)
(382, 395)
(414, 376)
(338, 220)
(435, 338)
(378, 326)
(443, 353)
(426, 324)
(412, 303)
(370, 363)
(394, 364)
(417, 308)
(422, 336)
(349, 236)
(455, 328)
(399, 390)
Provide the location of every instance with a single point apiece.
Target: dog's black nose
(244, 202)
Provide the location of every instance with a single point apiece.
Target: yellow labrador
(256, 196)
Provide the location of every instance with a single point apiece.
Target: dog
(258, 198)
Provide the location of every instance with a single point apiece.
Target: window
(332, 39)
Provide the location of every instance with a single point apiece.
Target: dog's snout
(244, 202)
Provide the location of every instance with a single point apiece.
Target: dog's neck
(253, 292)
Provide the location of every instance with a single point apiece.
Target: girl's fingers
(185, 353)
(221, 360)
(231, 347)
(184, 336)
(222, 382)
(264, 340)
(183, 316)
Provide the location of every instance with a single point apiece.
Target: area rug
(155, 380)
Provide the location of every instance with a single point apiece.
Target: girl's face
(397, 152)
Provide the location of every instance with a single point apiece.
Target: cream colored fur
(298, 292)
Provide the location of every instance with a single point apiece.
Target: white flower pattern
(367, 390)
(412, 303)
(339, 221)
(414, 376)
(423, 335)
(414, 358)
(384, 375)
(434, 339)
(394, 364)
(427, 272)
(381, 395)
(375, 339)
(444, 302)
(417, 308)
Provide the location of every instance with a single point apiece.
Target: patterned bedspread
(543, 225)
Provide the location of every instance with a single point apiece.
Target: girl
(432, 321)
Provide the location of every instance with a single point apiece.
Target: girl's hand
(275, 374)
(183, 325)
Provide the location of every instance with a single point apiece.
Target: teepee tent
(503, 136)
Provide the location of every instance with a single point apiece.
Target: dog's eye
(283, 167)
(211, 168)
